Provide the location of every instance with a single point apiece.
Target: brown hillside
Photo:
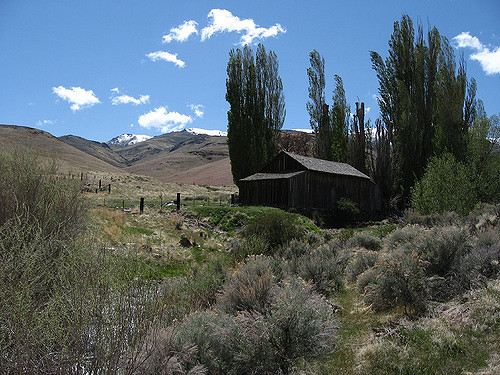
(47, 147)
(100, 150)
(196, 151)
(217, 173)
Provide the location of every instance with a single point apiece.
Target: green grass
(355, 328)
(230, 218)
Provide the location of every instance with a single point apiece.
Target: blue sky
(100, 68)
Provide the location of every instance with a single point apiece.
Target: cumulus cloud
(78, 98)
(125, 99)
(115, 90)
(166, 56)
(489, 59)
(222, 20)
(163, 120)
(198, 109)
(182, 32)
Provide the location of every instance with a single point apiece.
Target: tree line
(428, 110)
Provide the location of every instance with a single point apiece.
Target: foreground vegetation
(91, 289)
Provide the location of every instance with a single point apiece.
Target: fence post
(123, 204)
(99, 183)
(178, 201)
(141, 206)
(109, 189)
(232, 199)
(81, 176)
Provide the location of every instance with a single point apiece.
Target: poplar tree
(254, 92)
(425, 102)
(317, 107)
(340, 123)
(330, 126)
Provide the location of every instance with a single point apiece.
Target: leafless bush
(37, 194)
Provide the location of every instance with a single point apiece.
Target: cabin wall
(264, 192)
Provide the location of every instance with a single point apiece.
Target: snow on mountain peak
(128, 139)
(214, 133)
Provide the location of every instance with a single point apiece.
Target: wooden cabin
(291, 180)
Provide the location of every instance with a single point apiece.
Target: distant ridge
(46, 147)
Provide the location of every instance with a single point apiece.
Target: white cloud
(78, 98)
(115, 90)
(125, 99)
(489, 59)
(222, 20)
(367, 109)
(163, 120)
(198, 109)
(45, 122)
(466, 40)
(166, 56)
(182, 32)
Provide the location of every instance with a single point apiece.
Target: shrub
(440, 247)
(365, 240)
(360, 262)
(404, 237)
(250, 288)
(366, 278)
(481, 263)
(445, 219)
(322, 267)
(274, 227)
(159, 354)
(65, 304)
(347, 209)
(33, 192)
(295, 249)
(251, 245)
(323, 264)
(446, 186)
(400, 281)
(299, 324)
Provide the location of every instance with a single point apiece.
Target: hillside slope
(100, 150)
(47, 147)
(197, 151)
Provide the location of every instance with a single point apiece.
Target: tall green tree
(340, 115)
(254, 92)
(424, 101)
(331, 127)
(317, 107)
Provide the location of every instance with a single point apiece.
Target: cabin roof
(326, 166)
(271, 176)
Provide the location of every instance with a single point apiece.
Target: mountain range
(194, 156)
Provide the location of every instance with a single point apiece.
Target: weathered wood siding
(265, 192)
(283, 163)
